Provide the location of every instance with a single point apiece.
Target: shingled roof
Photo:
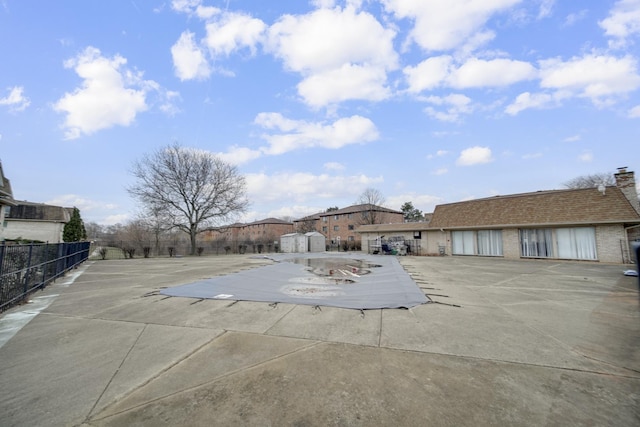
(39, 212)
(359, 208)
(556, 207)
(6, 195)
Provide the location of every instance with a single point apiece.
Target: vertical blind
(570, 243)
(490, 242)
(462, 243)
(577, 243)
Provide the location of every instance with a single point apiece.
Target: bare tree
(372, 199)
(305, 225)
(591, 181)
(191, 190)
(152, 219)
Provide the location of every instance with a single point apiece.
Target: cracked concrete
(506, 343)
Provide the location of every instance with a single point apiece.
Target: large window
(482, 242)
(567, 243)
(490, 242)
(577, 243)
(537, 243)
(462, 243)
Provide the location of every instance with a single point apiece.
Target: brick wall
(609, 240)
(511, 243)
(344, 225)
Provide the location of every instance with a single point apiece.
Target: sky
(427, 102)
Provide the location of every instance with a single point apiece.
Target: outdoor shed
(36, 221)
(293, 243)
(316, 242)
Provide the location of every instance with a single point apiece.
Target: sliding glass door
(577, 243)
(490, 242)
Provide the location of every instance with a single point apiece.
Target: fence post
(62, 259)
(45, 262)
(25, 278)
(2, 250)
(636, 249)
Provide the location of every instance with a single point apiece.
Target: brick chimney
(626, 182)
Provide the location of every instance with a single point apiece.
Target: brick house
(264, 232)
(339, 226)
(593, 224)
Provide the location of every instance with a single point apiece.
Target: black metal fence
(26, 268)
(128, 249)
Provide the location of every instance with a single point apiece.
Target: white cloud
(546, 7)
(108, 96)
(439, 153)
(329, 4)
(634, 113)
(474, 73)
(572, 138)
(334, 166)
(446, 25)
(188, 58)
(440, 171)
(341, 53)
(528, 100)
(292, 135)
(344, 83)
(194, 7)
(586, 156)
(454, 106)
(491, 73)
(598, 77)
(530, 156)
(329, 38)
(573, 18)
(474, 156)
(116, 219)
(622, 23)
(232, 32)
(15, 100)
(300, 187)
(91, 210)
(429, 74)
(238, 155)
(185, 6)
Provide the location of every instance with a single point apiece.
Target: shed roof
(555, 207)
(359, 208)
(29, 211)
(391, 228)
(267, 221)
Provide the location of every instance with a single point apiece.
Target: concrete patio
(505, 342)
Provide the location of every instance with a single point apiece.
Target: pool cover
(360, 282)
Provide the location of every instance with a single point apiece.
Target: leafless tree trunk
(191, 190)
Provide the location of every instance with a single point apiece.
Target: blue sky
(315, 101)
